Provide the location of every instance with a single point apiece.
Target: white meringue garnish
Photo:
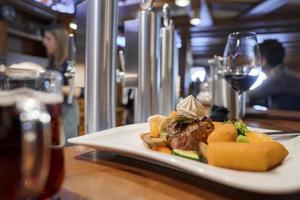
(191, 107)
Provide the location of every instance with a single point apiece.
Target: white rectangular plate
(126, 141)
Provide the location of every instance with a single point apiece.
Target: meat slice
(187, 137)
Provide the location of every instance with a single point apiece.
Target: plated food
(187, 132)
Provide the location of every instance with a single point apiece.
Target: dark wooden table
(98, 175)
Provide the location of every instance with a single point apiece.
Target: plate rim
(159, 161)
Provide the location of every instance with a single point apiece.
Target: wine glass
(241, 61)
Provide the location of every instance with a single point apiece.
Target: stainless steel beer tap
(169, 63)
(100, 76)
(147, 94)
(153, 72)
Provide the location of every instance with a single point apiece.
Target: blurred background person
(56, 41)
(281, 88)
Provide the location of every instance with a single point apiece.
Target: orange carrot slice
(165, 150)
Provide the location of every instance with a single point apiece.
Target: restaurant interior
(149, 99)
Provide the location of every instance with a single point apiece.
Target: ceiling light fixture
(182, 3)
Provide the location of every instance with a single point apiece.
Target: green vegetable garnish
(186, 154)
(183, 120)
(163, 134)
(240, 126)
(242, 138)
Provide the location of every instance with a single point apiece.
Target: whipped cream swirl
(191, 107)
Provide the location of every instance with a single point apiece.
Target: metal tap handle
(122, 60)
(146, 4)
(72, 48)
(70, 72)
(121, 73)
(36, 141)
(71, 90)
(166, 15)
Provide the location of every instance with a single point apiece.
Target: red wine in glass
(240, 82)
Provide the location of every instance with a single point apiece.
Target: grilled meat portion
(186, 134)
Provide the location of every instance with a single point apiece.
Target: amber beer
(20, 117)
(56, 171)
(10, 152)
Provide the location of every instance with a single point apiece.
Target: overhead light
(182, 3)
(195, 18)
(73, 26)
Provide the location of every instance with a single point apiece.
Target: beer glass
(24, 145)
(46, 87)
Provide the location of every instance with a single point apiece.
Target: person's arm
(76, 91)
(267, 88)
(66, 89)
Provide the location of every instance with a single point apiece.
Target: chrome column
(100, 78)
(131, 32)
(147, 95)
(168, 64)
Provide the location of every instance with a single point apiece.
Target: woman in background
(56, 41)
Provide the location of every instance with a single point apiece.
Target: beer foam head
(11, 97)
(28, 66)
(13, 73)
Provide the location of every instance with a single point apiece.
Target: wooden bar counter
(98, 175)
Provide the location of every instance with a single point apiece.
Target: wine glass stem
(240, 106)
